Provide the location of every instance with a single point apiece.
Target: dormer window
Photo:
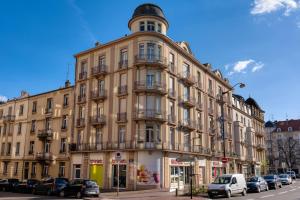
(159, 27)
(150, 26)
(142, 26)
(290, 129)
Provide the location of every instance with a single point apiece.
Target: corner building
(149, 98)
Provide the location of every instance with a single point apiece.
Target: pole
(223, 128)
(118, 174)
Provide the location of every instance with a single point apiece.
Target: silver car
(285, 179)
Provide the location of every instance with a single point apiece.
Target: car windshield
(61, 181)
(283, 176)
(253, 179)
(222, 180)
(269, 177)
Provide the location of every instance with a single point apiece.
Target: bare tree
(287, 149)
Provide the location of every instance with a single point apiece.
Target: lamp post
(241, 85)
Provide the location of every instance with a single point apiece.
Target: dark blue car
(257, 184)
(50, 186)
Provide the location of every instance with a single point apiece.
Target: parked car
(26, 186)
(80, 188)
(50, 186)
(292, 174)
(227, 185)
(273, 181)
(257, 184)
(285, 179)
(8, 184)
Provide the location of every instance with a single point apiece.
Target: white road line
(271, 195)
(283, 192)
(292, 190)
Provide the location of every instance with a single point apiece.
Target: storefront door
(122, 176)
(96, 174)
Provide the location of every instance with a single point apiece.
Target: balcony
(210, 92)
(48, 111)
(210, 111)
(259, 133)
(99, 70)
(171, 93)
(44, 157)
(199, 106)
(98, 95)
(149, 114)
(188, 101)
(151, 60)
(46, 134)
(171, 119)
(151, 87)
(187, 124)
(187, 78)
(199, 85)
(82, 76)
(123, 64)
(212, 131)
(80, 123)
(122, 90)
(260, 147)
(171, 67)
(199, 127)
(81, 99)
(98, 120)
(9, 118)
(74, 147)
(122, 117)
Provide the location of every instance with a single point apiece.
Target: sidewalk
(145, 195)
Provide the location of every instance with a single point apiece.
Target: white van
(227, 185)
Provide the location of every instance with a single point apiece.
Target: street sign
(224, 160)
(118, 156)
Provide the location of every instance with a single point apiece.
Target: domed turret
(148, 17)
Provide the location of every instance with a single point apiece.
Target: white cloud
(243, 66)
(268, 6)
(3, 98)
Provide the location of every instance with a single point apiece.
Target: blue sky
(252, 41)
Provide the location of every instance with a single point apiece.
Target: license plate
(214, 192)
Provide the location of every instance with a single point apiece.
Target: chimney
(97, 44)
(24, 93)
(208, 65)
(67, 83)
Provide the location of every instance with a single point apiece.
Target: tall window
(172, 108)
(82, 90)
(17, 148)
(66, 100)
(142, 26)
(199, 98)
(141, 51)
(48, 123)
(122, 131)
(186, 115)
(19, 128)
(61, 170)
(83, 67)
(186, 92)
(33, 169)
(172, 85)
(124, 56)
(211, 123)
(159, 27)
(64, 122)
(98, 136)
(47, 147)
(32, 126)
(16, 168)
(150, 51)
(186, 70)
(186, 139)
(21, 111)
(34, 107)
(2, 148)
(5, 167)
(45, 171)
(77, 169)
(210, 84)
(150, 26)
(8, 150)
(172, 136)
(31, 147)
(101, 86)
(49, 104)
(63, 145)
(101, 61)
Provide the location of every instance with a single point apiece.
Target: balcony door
(186, 70)
(48, 123)
(150, 51)
(149, 136)
(186, 115)
(47, 147)
(100, 86)
(187, 141)
(141, 51)
(186, 93)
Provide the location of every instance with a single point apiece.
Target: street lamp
(241, 85)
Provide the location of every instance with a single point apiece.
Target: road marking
(271, 195)
(249, 199)
(292, 190)
(283, 192)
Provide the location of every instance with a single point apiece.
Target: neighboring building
(36, 133)
(249, 137)
(283, 143)
(149, 97)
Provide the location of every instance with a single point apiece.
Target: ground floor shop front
(148, 169)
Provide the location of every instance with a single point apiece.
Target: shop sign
(217, 164)
(121, 161)
(202, 163)
(174, 161)
(96, 162)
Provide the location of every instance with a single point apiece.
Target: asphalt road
(289, 192)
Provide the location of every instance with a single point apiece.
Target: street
(290, 192)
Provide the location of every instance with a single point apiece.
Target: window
(142, 26)
(66, 100)
(98, 136)
(64, 122)
(31, 147)
(172, 86)
(122, 132)
(82, 90)
(32, 126)
(47, 147)
(48, 123)
(77, 169)
(123, 56)
(141, 51)
(210, 84)
(101, 61)
(83, 67)
(45, 171)
(33, 169)
(172, 136)
(150, 26)
(2, 148)
(16, 168)
(61, 170)
(186, 140)
(199, 79)
(5, 167)
(8, 150)
(290, 129)
(159, 27)
(19, 128)
(171, 59)
(21, 111)
(211, 123)
(63, 145)
(49, 104)
(17, 148)
(34, 107)
(186, 70)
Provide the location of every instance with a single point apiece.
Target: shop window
(122, 176)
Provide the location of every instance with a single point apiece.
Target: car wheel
(62, 193)
(244, 192)
(78, 195)
(228, 194)
(258, 189)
